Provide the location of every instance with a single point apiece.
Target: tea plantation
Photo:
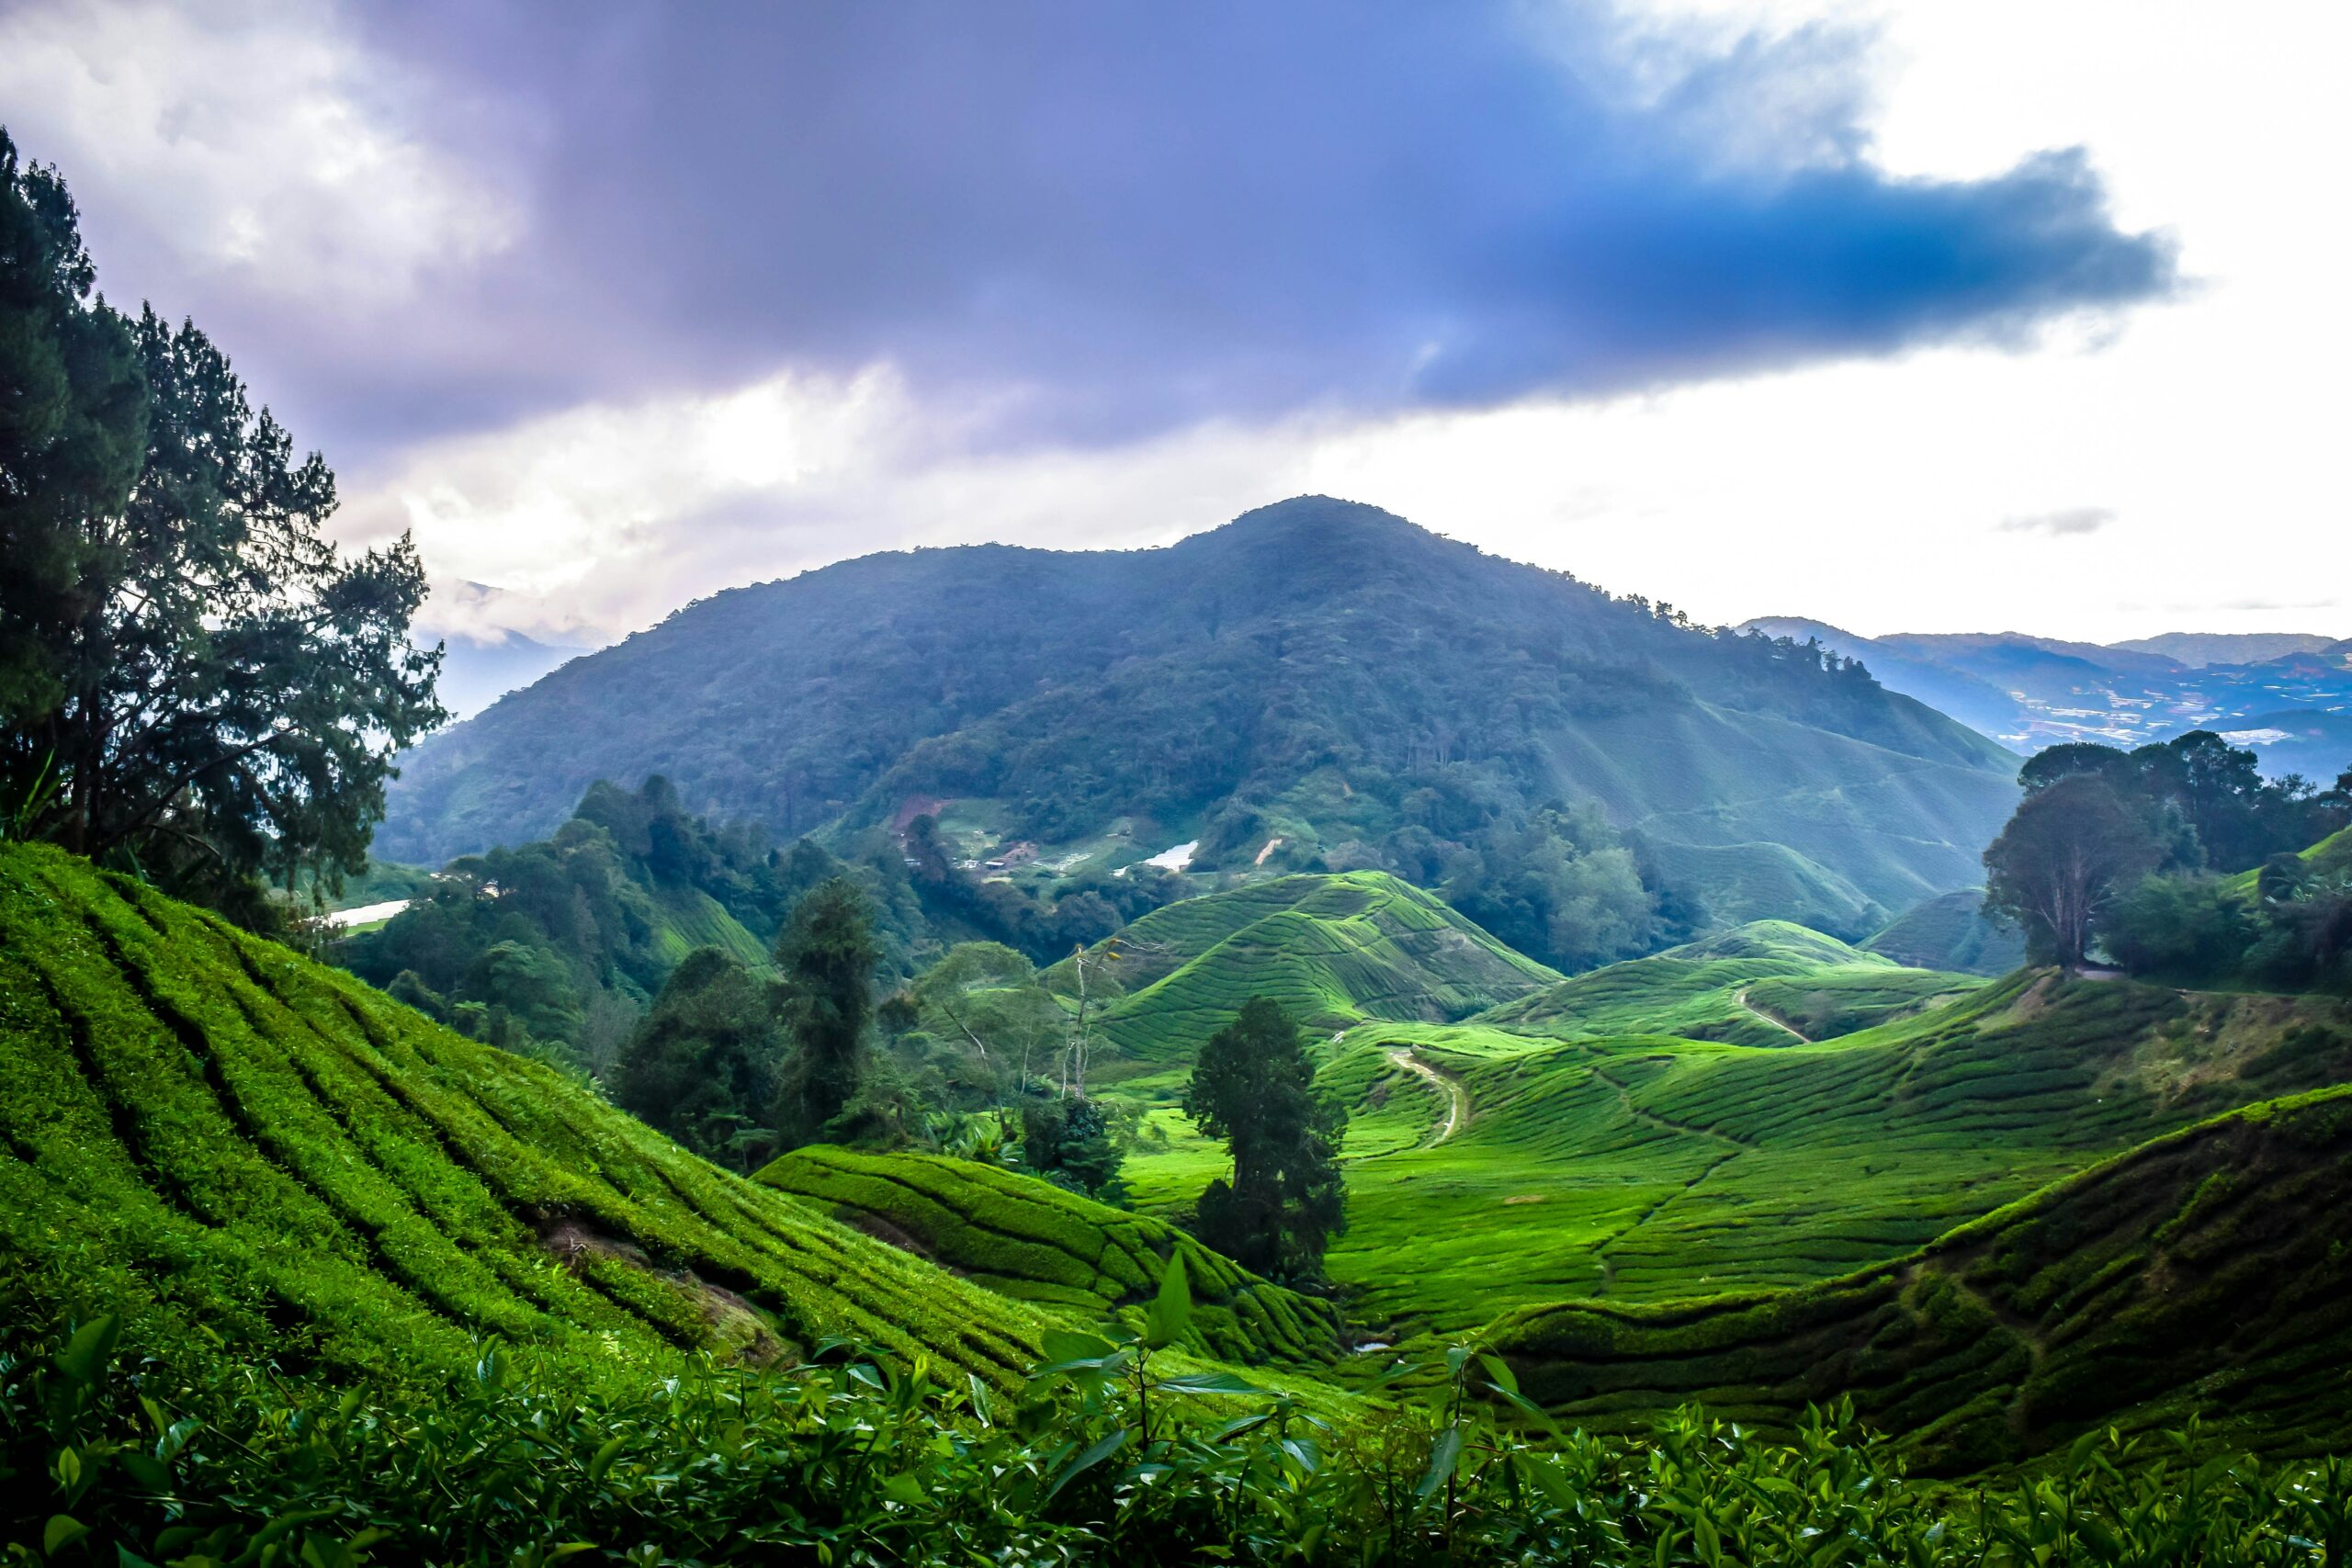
(2201, 1275)
(226, 1144)
(1036, 1242)
(1649, 1168)
(1334, 950)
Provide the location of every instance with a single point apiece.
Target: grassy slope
(2204, 1273)
(1333, 949)
(1763, 984)
(1949, 932)
(1064, 1253)
(1649, 1167)
(214, 1134)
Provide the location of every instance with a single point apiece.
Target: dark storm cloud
(1088, 222)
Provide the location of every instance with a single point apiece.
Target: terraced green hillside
(1491, 1170)
(218, 1138)
(1949, 932)
(2207, 1274)
(1064, 1253)
(1769, 983)
(1334, 950)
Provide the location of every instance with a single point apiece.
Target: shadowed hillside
(1950, 932)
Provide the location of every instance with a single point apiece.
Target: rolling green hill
(1491, 1168)
(1061, 1252)
(232, 1146)
(2206, 1274)
(1951, 932)
(1768, 983)
(1334, 950)
(1318, 671)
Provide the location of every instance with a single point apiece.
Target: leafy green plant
(854, 1459)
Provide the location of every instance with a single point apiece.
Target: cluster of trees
(195, 685)
(556, 948)
(2141, 857)
(740, 1059)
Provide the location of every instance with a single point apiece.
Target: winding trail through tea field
(1456, 1102)
(1779, 1024)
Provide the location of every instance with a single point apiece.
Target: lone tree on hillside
(2074, 847)
(828, 954)
(1255, 1089)
(194, 684)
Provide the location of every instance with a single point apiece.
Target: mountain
(1985, 708)
(1317, 673)
(477, 670)
(232, 1147)
(2287, 697)
(2197, 650)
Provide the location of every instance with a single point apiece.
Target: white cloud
(254, 140)
(2067, 520)
(586, 525)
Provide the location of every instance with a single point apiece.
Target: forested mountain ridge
(1318, 671)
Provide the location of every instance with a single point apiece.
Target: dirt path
(1648, 1118)
(1456, 1102)
(1779, 1024)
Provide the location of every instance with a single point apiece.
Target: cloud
(582, 525)
(1064, 224)
(2066, 521)
(260, 145)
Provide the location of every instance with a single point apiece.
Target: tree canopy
(194, 682)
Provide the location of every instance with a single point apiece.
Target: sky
(1928, 317)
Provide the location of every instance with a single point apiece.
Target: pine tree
(1255, 1089)
(828, 954)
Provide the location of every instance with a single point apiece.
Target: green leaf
(86, 1354)
(1101, 1365)
(1172, 1310)
(1095, 1454)
(1525, 1406)
(1207, 1382)
(1444, 1454)
(62, 1530)
(147, 1471)
(603, 1461)
(1499, 1369)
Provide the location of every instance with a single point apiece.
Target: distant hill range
(477, 670)
(1313, 683)
(2286, 694)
